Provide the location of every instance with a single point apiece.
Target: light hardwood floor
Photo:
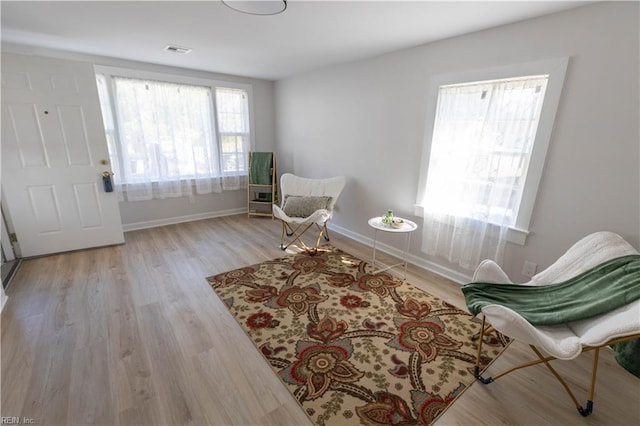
(133, 334)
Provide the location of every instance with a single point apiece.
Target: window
(233, 128)
(483, 160)
(172, 137)
(481, 147)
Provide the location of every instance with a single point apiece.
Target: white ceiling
(308, 35)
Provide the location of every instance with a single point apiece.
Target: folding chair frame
(545, 359)
(292, 231)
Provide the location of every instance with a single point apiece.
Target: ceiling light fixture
(257, 7)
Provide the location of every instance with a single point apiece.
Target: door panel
(52, 144)
(45, 208)
(16, 80)
(88, 205)
(64, 82)
(74, 135)
(28, 136)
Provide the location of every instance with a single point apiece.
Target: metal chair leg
(584, 411)
(326, 231)
(476, 368)
(560, 379)
(282, 246)
(288, 230)
(592, 388)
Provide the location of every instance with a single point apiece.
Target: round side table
(407, 228)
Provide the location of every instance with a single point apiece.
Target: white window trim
(182, 79)
(556, 69)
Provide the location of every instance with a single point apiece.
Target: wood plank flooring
(133, 334)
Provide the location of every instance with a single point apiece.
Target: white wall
(366, 120)
(141, 213)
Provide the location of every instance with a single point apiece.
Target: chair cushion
(298, 206)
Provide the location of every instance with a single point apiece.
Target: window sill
(517, 236)
(189, 179)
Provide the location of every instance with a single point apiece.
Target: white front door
(54, 151)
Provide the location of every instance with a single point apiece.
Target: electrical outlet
(529, 269)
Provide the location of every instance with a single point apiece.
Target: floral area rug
(352, 346)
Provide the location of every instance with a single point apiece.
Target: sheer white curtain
(234, 130)
(480, 151)
(163, 140)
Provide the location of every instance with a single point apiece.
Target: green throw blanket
(599, 290)
(260, 172)
(628, 355)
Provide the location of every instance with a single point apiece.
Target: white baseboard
(455, 276)
(181, 219)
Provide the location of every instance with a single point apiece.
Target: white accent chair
(306, 192)
(569, 340)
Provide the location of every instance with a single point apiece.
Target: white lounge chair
(306, 202)
(569, 340)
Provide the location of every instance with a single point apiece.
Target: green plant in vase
(387, 219)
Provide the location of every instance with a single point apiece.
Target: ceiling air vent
(177, 49)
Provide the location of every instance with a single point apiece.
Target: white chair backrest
(587, 253)
(298, 186)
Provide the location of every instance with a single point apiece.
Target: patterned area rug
(351, 346)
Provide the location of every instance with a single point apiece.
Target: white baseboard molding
(455, 276)
(181, 219)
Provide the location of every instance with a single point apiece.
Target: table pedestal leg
(404, 255)
(375, 237)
